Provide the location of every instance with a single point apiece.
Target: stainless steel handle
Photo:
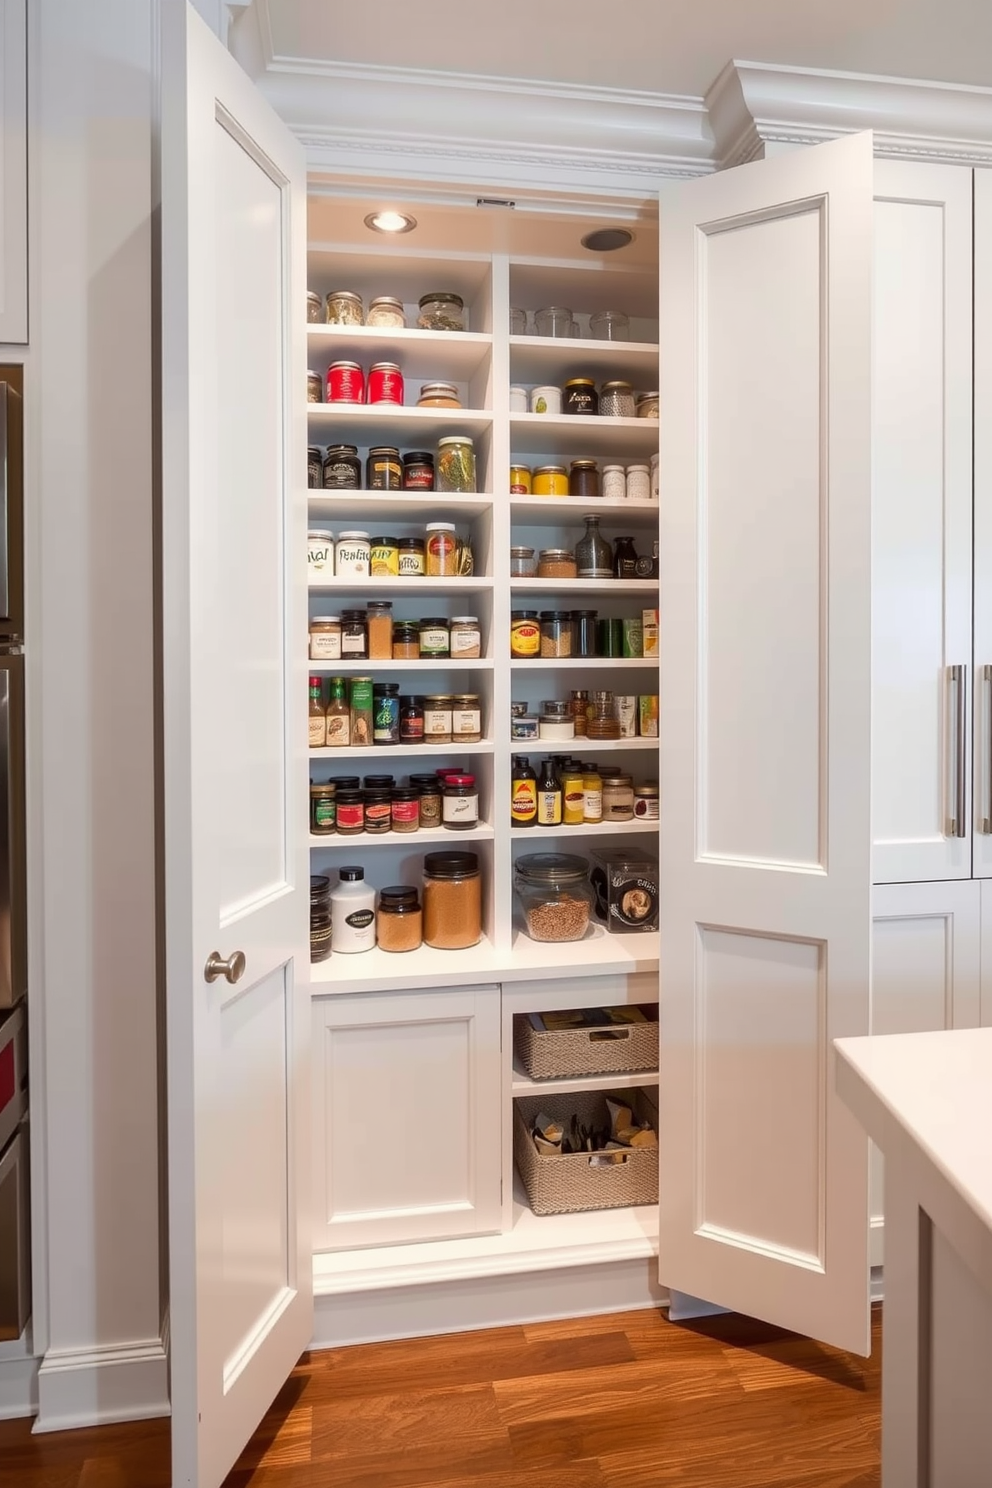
(987, 725)
(957, 825)
(233, 968)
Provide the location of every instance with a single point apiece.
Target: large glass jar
(603, 721)
(386, 312)
(593, 554)
(555, 895)
(441, 311)
(455, 465)
(617, 400)
(344, 307)
(556, 633)
(554, 320)
(452, 900)
(609, 325)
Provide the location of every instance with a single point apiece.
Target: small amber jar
(406, 641)
(583, 479)
(399, 921)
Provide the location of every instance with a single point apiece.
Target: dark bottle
(411, 720)
(647, 568)
(548, 795)
(523, 793)
(624, 558)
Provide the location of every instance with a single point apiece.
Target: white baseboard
(18, 1380)
(97, 1386)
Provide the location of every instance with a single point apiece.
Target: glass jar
(580, 396)
(525, 633)
(441, 311)
(459, 803)
(455, 465)
(520, 480)
(352, 555)
(638, 487)
(411, 720)
(584, 632)
(466, 637)
(466, 718)
(344, 307)
(320, 555)
(315, 387)
(429, 790)
(350, 813)
(609, 325)
(399, 921)
(384, 557)
(385, 384)
(526, 729)
(435, 638)
(383, 471)
(345, 383)
(354, 636)
(437, 718)
(624, 558)
(406, 641)
(379, 810)
(325, 638)
(315, 308)
(546, 399)
(557, 723)
(603, 721)
(315, 467)
(518, 321)
(572, 797)
(379, 625)
(592, 796)
(578, 706)
(555, 895)
(593, 554)
(556, 633)
(554, 320)
(418, 471)
(386, 312)
(618, 798)
(412, 558)
(452, 900)
(583, 479)
(439, 395)
(617, 400)
(405, 811)
(648, 405)
(550, 480)
(323, 808)
(341, 469)
(442, 550)
(647, 801)
(556, 563)
(614, 483)
(522, 565)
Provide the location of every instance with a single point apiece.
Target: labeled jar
(411, 720)
(618, 798)
(400, 920)
(386, 713)
(556, 633)
(609, 325)
(350, 813)
(617, 400)
(315, 387)
(647, 802)
(360, 700)
(466, 637)
(383, 471)
(459, 803)
(387, 313)
(315, 467)
(405, 810)
(385, 383)
(550, 480)
(341, 469)
(583, 479)
(435, 638)
(525, 633)
(572, 795)
(454, 468)
(378, 810)
(352, 555)
(556, 563)
(412, 558)
(379, 625)
(522, 564)
(384, 557)
(441, 311)
(466, 718)
(354, 636)
(429, 790)
(315, 308)
(525, 728)
(320, 555)
(545, 399)
(555, 895)
(614, 483)
(638, 483)
(442, 550)
(648, 405)
(584, 632)
(592, 796)
(580, 396)
(344, 307)
(323, 809)
(439, 395)
(418, 471)
(325, 638)
(437, 718)
(520, 480)
(345, 383)
(578, 706)
(406, 641)
(452, 900)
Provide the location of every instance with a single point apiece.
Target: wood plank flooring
(623, 1401)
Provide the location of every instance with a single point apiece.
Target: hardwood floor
(624, 1401)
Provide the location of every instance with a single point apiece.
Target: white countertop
(926, 1099)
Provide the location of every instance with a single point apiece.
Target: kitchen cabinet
(983, 527)
(13, 172)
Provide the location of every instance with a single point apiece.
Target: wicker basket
(611, 1050)
(570, 1183)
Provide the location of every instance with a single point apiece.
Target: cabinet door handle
(987, 725)
(956, 826)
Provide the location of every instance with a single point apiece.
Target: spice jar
(452, 900)
(386, 312)
(466, 637)
(386, 713)
(411, 720)
(442, 550)
(412, 560)
(555, 895)
(385, 383)
(614, 483)
(646, 802)
(379, 625)
(580, 396)
(406, 641)
(418, 471)
(525, 634)
(648, 405)
(323, 808)
(522, 565)
(617, 400)
(603, 721)
(350, 813)
(578, 706)
(437, 718)
(520, 480)
(378, 810)
(344, 307)
(352, 555)
(455, 465)
(556, 633)
(429, 789)
(342, 469)
(618, 798)
(441, 311)
(466, 718)
(400, 920)
(459, 803)
(439, 395)
(583, 479)
(435, 638)
(638, 486)
(584, 632)
(315, 308)
(405, 809)
(315, 387)
(550, 480)
(383, 471)
(325, 638)
(345, 383)
(320, 555)
(556, 563)
(315, 467)
(384, 557)
(354, 636)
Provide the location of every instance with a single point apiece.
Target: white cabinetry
(13, 172)
(983, 525)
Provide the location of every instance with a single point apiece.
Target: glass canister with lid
(315, 308)
(455, 465)
(616, 400)
(555, 895)
(386, 312)
(439, 395)
(441, 310)
(522, 565)
(452, 900)
(344, 307)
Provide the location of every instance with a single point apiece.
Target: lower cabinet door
(926, 963)
(407, 1114)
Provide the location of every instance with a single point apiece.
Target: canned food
(345, 383)
(385, 383)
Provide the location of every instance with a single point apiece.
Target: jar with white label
(352, 555)
(459, 803)
(320, 555)
(325, 638)
(466, 718)
(466, 637)
(352, 913)
(437, 718)
(638, 483)
(614, 484)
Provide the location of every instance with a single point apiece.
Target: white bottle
(352, 913)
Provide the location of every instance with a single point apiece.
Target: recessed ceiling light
(607, 239)
(390, 222)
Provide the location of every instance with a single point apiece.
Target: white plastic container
(320, 555)
(545, 400)
(352, 913)
(352, 555)
(518, 398)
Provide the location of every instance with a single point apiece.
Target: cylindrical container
(545, 399)
(609, 637)
(518, 398)
(624, 558)
(439, 395)
(418, 471)
(655, 477)
(523, 793)
(459, 803)
(603, 721)
(520, 480)
(323, 808)
(352, 912)
(352, 555)
(454, 468)
(550, 480)
(592, 796)
(341, 469)
(647, 715)
(435, 638)
(384, 557)
(441, 311)
(584, 632)
(522, 565)
(638, 483)
(609, 325)
(525, 633)
(354, 635)
(627, 715)
(466, 718)
(452, 900)
(406, 640)
(648, 405)
(647, 802)
(618, 798)
(337, 720)
(385, 384)
(346, 782)
(378, 810)
(345, 383)
(315, 308)
(320, 917)
(429, 788)
(593, 553)
(555, 895)
(616, 400)
(386, 312)
(578, 706)
(525, 729)
(580, 396)
(614, 483)
(554, 320)
(583, 479)
(442, 550)
(466, 637)
(320, 555)
(360, 698)
(315, 467)
(350, 813)
(572, 797)
(400, 920)
(557, 724)
(437, 718)
(383, 471)
(379, 625)
(556, 633)
(518, 321)
(405, 810)
(379, 782)
(556, 563)
(344, 307)
(411, 720)
(386, 713)
(412, 558)
(325, 638)
(315, 387)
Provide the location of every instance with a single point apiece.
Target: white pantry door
(234, 748)
(765, 734)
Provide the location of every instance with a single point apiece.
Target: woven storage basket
(611, 1050)
(570, 1183)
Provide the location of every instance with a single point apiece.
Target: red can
(345, 383)
(385, 383)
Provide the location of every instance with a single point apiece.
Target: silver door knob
(233, 968)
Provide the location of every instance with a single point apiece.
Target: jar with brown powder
(452, 900)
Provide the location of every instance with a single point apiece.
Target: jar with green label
(323, 808)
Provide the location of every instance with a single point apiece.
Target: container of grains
(617, 400)
(439, 395)
(399, 922)
(344, 307)
(452, 900)
(387, 313)
(379, 622)
(406, 641)
(437, 718)
(466, 637)
(556, 563)
(442, 550)
(325, 638)
(522, 565)
(555, 895)
(405, 809)
(441, 311)
(315, 308)
(556, 633)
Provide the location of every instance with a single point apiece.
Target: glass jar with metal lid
(412, 559)
(466, 718)
(323, 808)
(648, 405)
(325, 638)
(441, 311)
(429, 788)
(442, 550)
(466, 637)
(609, 325)
(386, 312)
(315, 307)
(399, 919)
(315, 387)
(647, 801)
(550, 480)
(344, 307)
(385, 383)
(406, 640)
(583, 479)
(454, 468)
(603, 720)
(383, 471)
(556, 563)
(556, 633)
(555, 895)
(525, 634)
(342, 469)
(522, 565)
(418, 471)
(617, 400)
(452, 900)
(315, 467)
(411, 719)
(618, 797)
(437, 718)
(459, 803)
(435, 638)
(580, 396)
(439, 395)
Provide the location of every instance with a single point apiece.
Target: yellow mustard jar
(550, 480)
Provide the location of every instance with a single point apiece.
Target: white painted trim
(18, 1379)
(97, 1386)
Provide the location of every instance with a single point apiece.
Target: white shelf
(582, 744)
(524, 1085)
(580, 663)
(573, 435)
(390, 423)
(583, 832)
(603, 587)
(396, 506)
(455, 664)
(360, 840)
(550, 511)
(386, 752)
(406, 586)
(423, 356)
(557, 358)
(596, 951)
(424, 967)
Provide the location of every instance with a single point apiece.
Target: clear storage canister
(522, 564)
(344, 307)
(455, 465)
(441, 311)
(387, 312)
(556, 633)
(452, 900)
(617, 400)
(555, 895)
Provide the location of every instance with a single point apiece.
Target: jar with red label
(418, 471)
(350, 812)
(385, 383)
(406, 809)
(345, 383)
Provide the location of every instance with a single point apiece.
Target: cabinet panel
(407, 1090)
(926, 941)
(983, 526)
(13, 172)
(921, 522)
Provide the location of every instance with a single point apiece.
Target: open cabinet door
(234, 747)
(765, 717)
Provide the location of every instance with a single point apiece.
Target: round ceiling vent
(607, 239)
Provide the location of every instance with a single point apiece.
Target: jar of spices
(342, 469)
(545, 399)
(350, 813)
(405, 809)
(466, 637)
(618, 798)
(522, 565)
(437, 718)
(325, 638)
(320, 555)
(379, 810)
(400, 920)
(386, 713)
(556, 563)
(647, 802)
(345, 383)
(648, 405)
(315, 467)
(556, 633)
(384, 557)
(441, 311)
(439, 395)
(435, 638)
(383, 471)
(412, 558)
(387, 313)
(584, 632)
(429, 789)
(452, 900)
(520, 480)
(578, 706)
(617, 400)
(614, 484)
(418, 471)
(555, 895)
(315, 387)
(580, 396)
(406, 641)
(385, 383)
(344, 307)
(550, 480)
(525, 634)
(593, 554)
(583, 479)
(603, 720)
(352, 554)
(411, 720)
(442, 550)
(466, 718)
(323, 808)
(459, 803)
(455, 465)
(557, 723)
(315, 308)
(638, 483)
(354, 635)
(379, 625)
